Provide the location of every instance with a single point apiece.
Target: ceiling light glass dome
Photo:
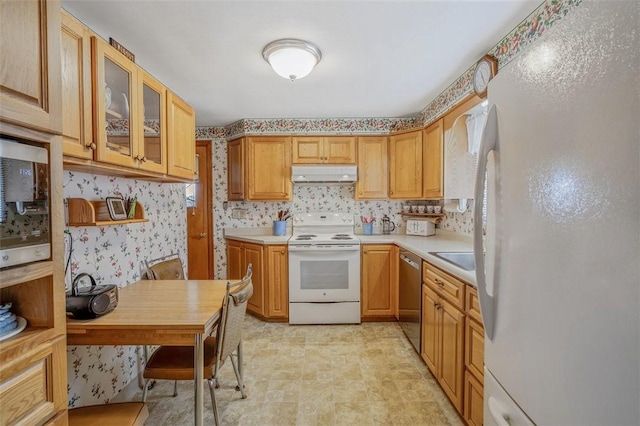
(292, 58)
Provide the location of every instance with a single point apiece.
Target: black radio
(92, 302)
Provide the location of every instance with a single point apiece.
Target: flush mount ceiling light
(291, 58)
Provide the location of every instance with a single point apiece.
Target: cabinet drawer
(27, 397)
(444, 284)
(473, 304)
(474, 348)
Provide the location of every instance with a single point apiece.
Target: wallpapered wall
(114, 254)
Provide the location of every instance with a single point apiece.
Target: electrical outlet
(238, 213)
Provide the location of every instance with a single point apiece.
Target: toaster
(420, 227)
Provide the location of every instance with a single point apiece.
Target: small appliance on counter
(91, 302)
(420, 227)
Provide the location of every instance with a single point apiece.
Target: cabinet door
(405, 166)
(379, 282)
(235, 170)
(339, 150)
(181, 141)
(432, 164)
(474, 348)
(277, 283)
(77, 120)
(373, 177)
(152, 119)
(30, 57)
(308, 150)
(235, 260)
(269, 168)
(473, 400)
(451, 352)
(254, 254)
(115, 101)
(430, 332)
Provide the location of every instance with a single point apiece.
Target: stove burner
(303, 238)
(306, 236)
(341, 237)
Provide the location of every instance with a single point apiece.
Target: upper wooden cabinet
(116, 106)
(259, 168)
(118, 118)
(235, 170)
(30, 71)
(373, 178)
(181, 128)
(324, 150)
(268, 171)
(77, 125)
(433, 160)
(405, 166)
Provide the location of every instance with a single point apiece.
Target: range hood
(329, 173)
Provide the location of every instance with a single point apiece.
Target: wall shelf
(437, 216)
(95, 213)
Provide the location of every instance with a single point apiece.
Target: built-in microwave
(24, 203)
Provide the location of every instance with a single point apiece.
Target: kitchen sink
(462, 260)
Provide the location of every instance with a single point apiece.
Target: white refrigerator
(558, 266)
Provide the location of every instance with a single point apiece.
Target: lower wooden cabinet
(277, 282)
(379, 281)
(239, 256)
(33, 388)
(443, 343)
(473, 361)
(270, 279)
(473, 400)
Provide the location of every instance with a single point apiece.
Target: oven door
(324, 273)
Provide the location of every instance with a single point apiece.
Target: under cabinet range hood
(339, 174)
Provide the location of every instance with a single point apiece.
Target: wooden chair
(165, 268)
(123, 414)
(177, 362)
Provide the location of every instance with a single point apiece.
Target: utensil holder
(367, 228)
(279, 227)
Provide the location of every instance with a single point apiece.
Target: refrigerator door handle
(487, 144)
(499, 414)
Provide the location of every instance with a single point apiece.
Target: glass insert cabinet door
(152, 153)
(116, 102)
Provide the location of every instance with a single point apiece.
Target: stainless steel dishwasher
(410, 300)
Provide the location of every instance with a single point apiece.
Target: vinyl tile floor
(367, 374)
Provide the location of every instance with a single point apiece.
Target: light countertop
(421, 246)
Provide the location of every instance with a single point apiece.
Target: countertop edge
(420, 246)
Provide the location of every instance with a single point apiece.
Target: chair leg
(175, 388)
(240, 386)
(145, 390)
(213, 400)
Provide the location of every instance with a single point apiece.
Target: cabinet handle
(282, 251)
(440, 283)
(391, 192)
(92, 146)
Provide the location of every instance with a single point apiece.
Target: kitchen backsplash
(115, 255)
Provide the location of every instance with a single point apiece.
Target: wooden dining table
(167, 312)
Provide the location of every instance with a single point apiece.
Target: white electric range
(324, 269)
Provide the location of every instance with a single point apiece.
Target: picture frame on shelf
(116, 208)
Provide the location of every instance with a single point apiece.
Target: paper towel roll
(456, 206)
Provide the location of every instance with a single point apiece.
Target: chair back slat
(233, 312)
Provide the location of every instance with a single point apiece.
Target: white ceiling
(379, 58)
